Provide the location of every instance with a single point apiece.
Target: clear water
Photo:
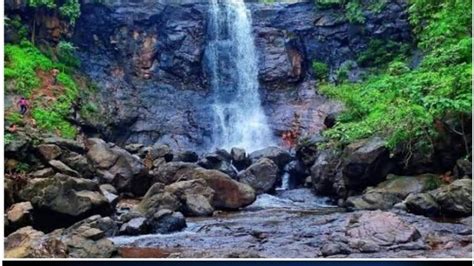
(232, 62)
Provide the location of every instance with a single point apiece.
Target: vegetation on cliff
(406, 101)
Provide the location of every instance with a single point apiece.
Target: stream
(291, 224)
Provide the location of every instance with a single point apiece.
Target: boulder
(395, 189)
(326, 176)
(88, 238)
(160, 151)
(307, 148)
(49, 151)
(195, 196)
(261, 175)
(185, 156)
(279, 156)
(110, 193)
(218, 162)
(133, 147)
(166, 221)
(71, 197)
(27, 242)
(422, 203)
(331, 249)
(135, 226)
(381, 228)
(171, 172)
(118, 167)
(79, 163)
(366, 163)
(463, 168)
(46, 172)
(63, 168)
(20, 214)
(230, 194)
(157, 199)
(454, 199)
(63, 143)
(239, 158)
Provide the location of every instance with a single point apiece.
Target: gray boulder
(261, 176)
(118, 167)
(279, 156)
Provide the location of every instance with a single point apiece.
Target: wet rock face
(149, 59)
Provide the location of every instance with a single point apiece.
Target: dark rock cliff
(148, 59)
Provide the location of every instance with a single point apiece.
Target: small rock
(63, 168)
(20, 214)
(186, 156)
(167, 222)
(46, 172)
(134, 147)
(135, 226)
(335, 249)
(49, 151)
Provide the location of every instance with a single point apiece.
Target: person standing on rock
(23, 104)
(55, 73)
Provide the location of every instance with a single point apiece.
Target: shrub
(14, 118)
(321, 70)
(65, 51)
(354, 12)
(403, 104)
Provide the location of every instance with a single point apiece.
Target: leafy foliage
(65, 52)
(380, 51)
(404, 104)
(70, 9)
(321, 70)
(21, 64)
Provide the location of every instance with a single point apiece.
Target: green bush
(8, 138)
(14, 118)
(321, 70)
(65, 51)
(380, 52)
(402, 104)
(21, 63)
(354, 12)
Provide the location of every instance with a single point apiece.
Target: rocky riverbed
(292, 226)
(92, 198)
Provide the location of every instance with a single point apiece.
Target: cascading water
(232, 60)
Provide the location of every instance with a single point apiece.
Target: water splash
(232, 60)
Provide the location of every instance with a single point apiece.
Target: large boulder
(261, 176)
(69, 198)
(279, 156)
(195, 195)
(186, 156)
(168, 173)
(88, 238)
(381, 228)
(118, 167)
(366, 163)
(454, 199)
(395, 189)
(27, 242)
(230, 194)
(218, 162)
(157, 198)
(326, 176)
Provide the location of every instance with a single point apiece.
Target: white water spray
(232, 62)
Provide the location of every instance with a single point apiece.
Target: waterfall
(232, 65)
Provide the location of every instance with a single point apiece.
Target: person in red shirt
(23, 104)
